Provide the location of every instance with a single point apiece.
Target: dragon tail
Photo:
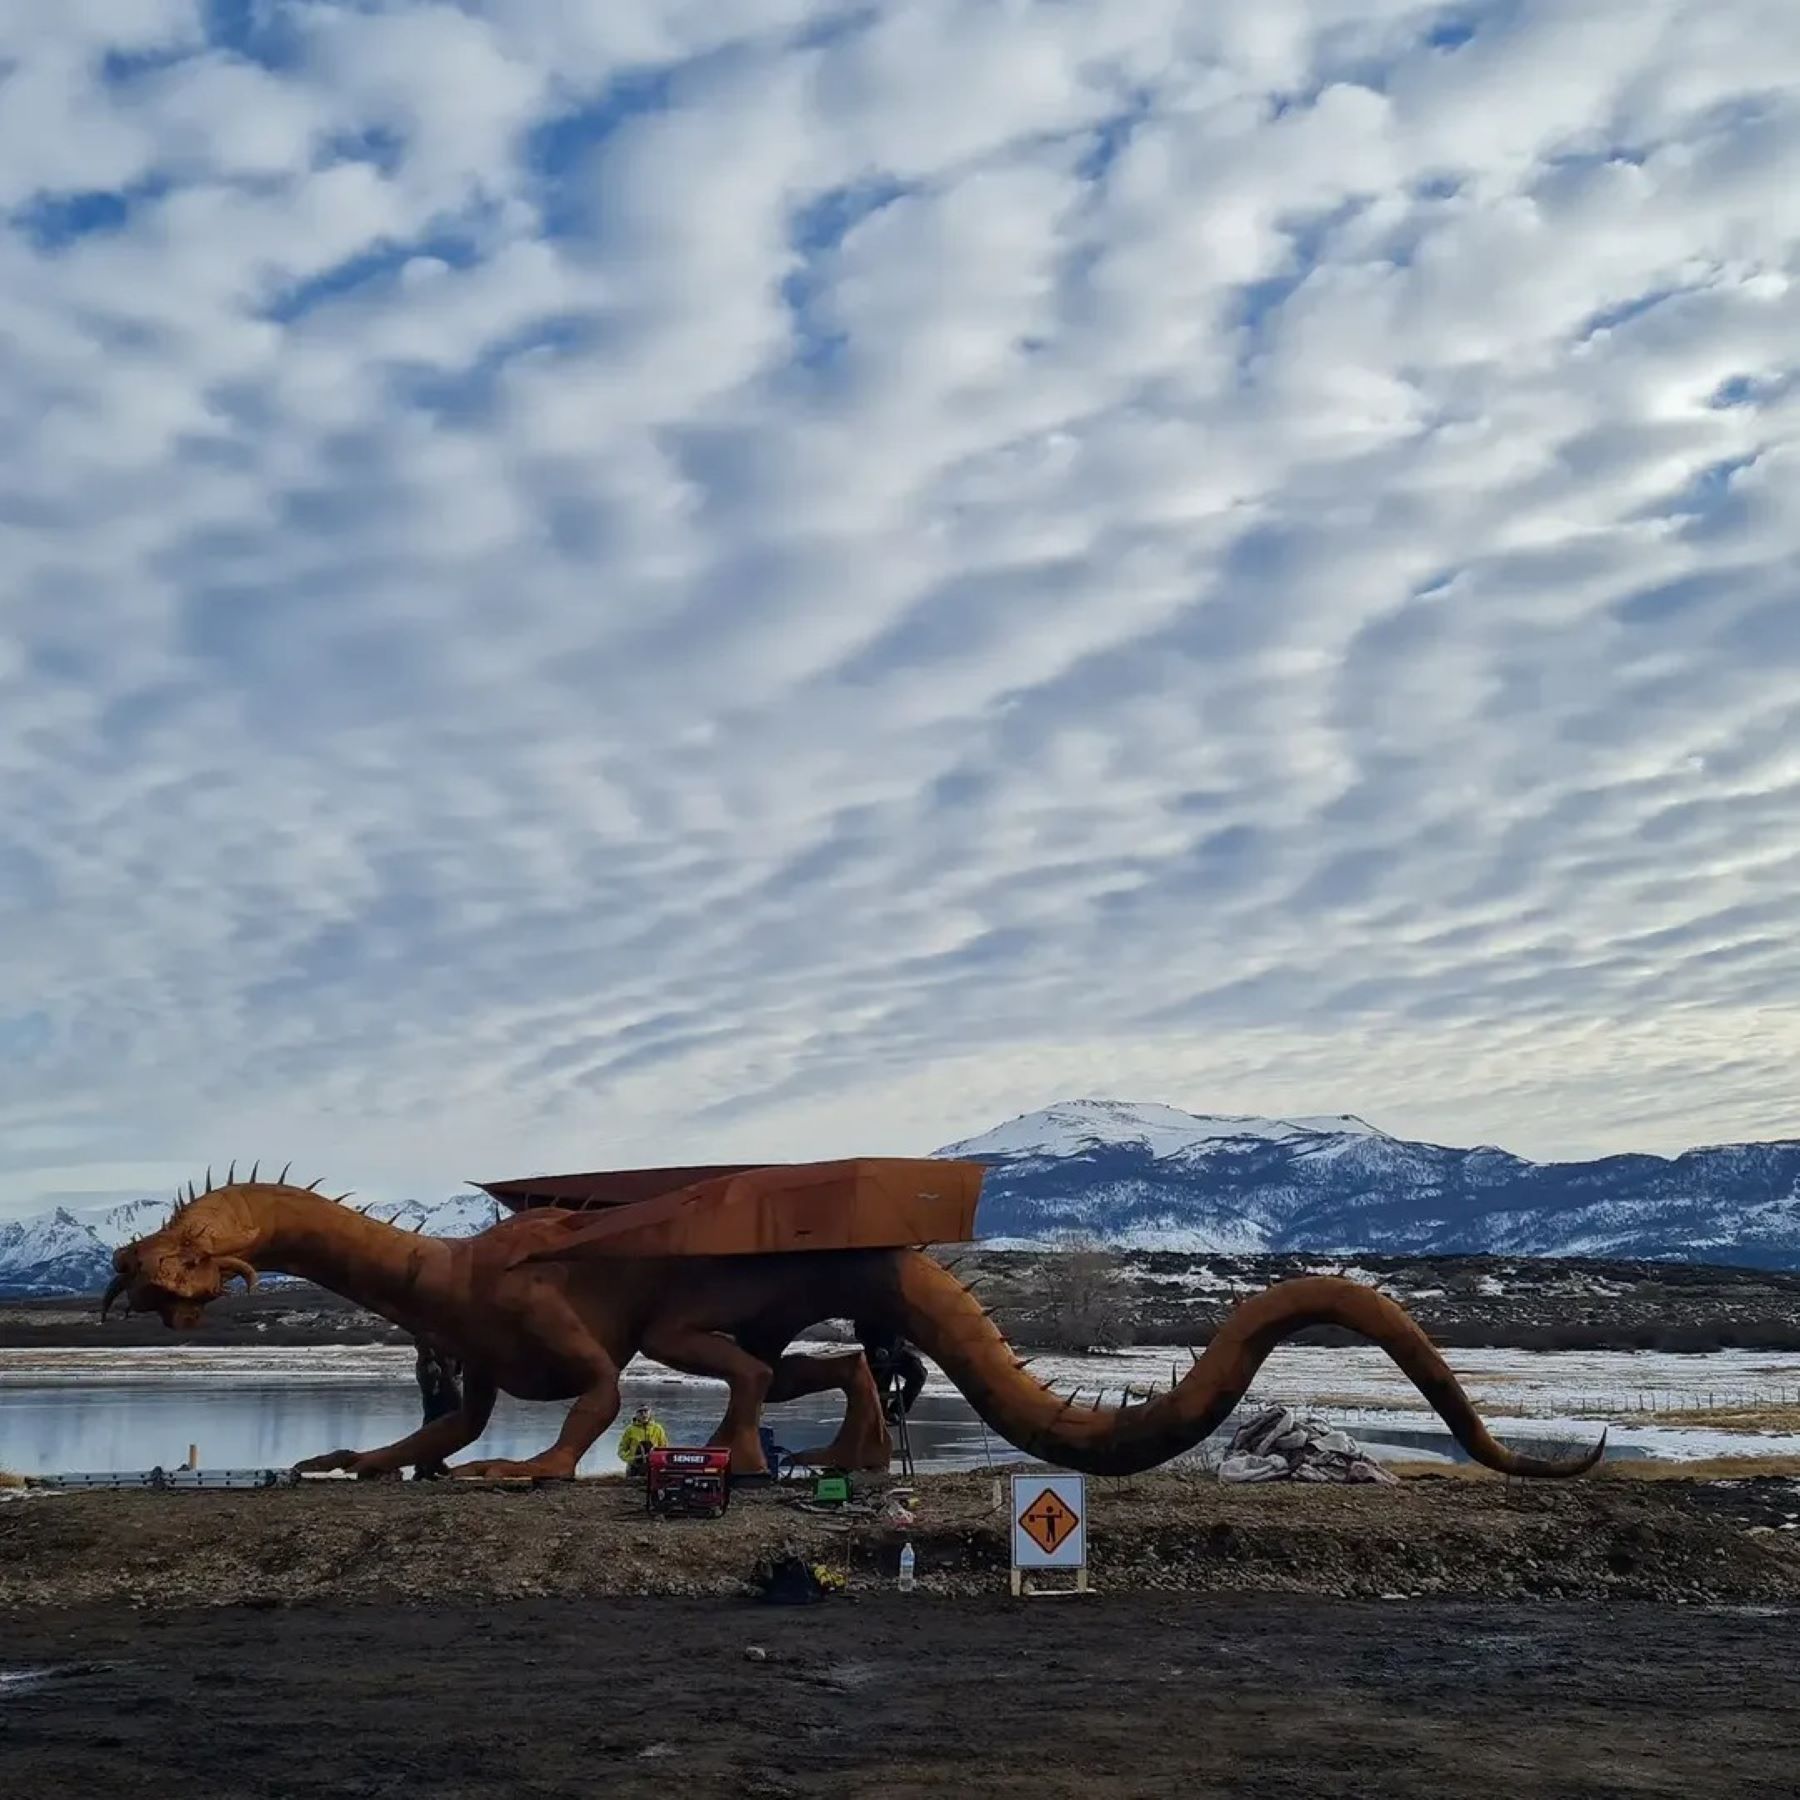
(947, 1321)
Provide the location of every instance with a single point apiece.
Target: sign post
(1049, 1529)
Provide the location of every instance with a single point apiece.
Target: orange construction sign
(1048, 1521)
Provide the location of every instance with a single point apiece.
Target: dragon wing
(861, 1203)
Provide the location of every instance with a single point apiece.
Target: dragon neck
(392, 1272)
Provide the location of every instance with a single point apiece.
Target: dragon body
(525, 1316)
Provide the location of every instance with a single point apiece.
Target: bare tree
(1084, 1304)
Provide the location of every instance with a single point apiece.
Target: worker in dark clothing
(898, 1368)
(439, 1376)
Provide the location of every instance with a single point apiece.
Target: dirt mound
(426, 1542)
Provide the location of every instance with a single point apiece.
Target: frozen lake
(62, 1421)
(64, 1411)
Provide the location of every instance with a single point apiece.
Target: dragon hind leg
(862, 1441)
(697, 1352)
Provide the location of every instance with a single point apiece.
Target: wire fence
(1634, 1402)
(1750, 1404)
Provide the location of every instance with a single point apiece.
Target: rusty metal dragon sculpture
(716, 1272)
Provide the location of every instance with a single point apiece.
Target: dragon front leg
(454, 1431)
(588, 1418)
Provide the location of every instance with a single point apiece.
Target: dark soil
(888, 1695)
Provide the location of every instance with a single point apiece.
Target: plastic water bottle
(906, 1568)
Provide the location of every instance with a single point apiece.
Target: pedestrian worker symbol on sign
(1049, 1514)
(1048, 1520)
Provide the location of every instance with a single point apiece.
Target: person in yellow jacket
(639, 1438)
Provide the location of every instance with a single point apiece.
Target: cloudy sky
(603, 581)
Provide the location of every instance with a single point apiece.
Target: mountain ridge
(1150, 1177)
(1142, 1175)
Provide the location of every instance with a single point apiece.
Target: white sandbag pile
(1278, 1444)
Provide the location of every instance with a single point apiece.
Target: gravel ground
(418, 1542)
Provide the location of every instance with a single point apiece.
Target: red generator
(688, 1484)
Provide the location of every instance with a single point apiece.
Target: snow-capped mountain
(69, 1250)
(51, 1253)
(462, 1215)
(1153, 1177)
(1075, 1126)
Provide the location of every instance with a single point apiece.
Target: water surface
(56, 1426)
(84, 1410)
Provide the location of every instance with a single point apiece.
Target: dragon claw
(536, 1468)
(329, 1463)
(365, 1465)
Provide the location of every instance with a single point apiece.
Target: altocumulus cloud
(602, 582)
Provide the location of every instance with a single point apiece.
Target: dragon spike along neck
(191, 1195)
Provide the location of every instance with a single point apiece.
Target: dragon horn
(253, 1168)
(281, 1179)
(114, 1289)
(231, 1174)
(209, 1178)
(235, 1265)
(345, 1195)
(312, 1187)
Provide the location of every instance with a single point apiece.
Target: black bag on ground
(785, 1581)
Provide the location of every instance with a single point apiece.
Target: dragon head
(179, 1270)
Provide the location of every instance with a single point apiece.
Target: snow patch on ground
(1563, 1395)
